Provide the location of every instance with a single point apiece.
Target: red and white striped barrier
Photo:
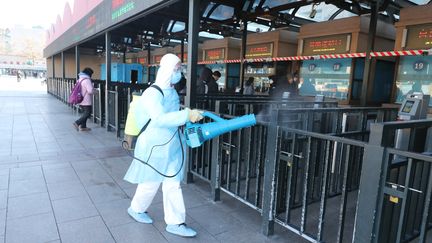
(232, 61)
(294, 58)
(396, 53)
(326, 56)
(207, 62)
(347, 55)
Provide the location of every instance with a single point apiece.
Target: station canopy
(166, 25)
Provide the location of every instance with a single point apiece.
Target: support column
(148, 61)
(243, 55)
(369, 71)
(270, 175)
(370, 197)
(107, 74)
(192, 60)
(77, 59)
(53, 66)
(182, 50)
(63, 65)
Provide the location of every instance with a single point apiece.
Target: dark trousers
(82, 121)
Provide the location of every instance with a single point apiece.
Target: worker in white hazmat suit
(160, 146)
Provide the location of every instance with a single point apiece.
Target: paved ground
(60, 185)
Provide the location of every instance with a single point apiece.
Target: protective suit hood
(166, 70)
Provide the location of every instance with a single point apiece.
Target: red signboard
(214, 54)
(259, 50)
(116, 3)
(333, 44)
(91, 21)
(142, 60)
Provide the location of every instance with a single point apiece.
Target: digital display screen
(214, 54)
(259, 50)
(408, 106)
(332, 44)
(419, 37)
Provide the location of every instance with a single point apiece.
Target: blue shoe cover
(140, 217)
(181, 230)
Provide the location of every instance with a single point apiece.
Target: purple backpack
(76, 97)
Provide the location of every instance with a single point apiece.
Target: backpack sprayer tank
(196, 134)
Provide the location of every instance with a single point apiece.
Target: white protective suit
(155, 147)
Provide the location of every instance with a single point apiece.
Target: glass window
(209, 7)
(414, 75)
(329, 77)
(221, 12)
(420, 2)
(275, 3)
(178, 26)
(323, 12)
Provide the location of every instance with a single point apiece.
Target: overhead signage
(120, 8)
(259, 50)
(332, 44)
(419, 37)
(100, 18)
(142, 60)
(214, 54)
(91, 21)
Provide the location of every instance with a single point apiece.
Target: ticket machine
(414, 107)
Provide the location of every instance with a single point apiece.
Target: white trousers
(174, 208)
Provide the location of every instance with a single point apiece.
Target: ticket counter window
(328, 77)
(414, 75)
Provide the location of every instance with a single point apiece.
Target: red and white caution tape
(396, 53)
(347, 55)
(326, 56)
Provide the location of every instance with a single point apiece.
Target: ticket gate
(414, 107)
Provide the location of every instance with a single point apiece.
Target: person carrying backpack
(161, 146)
(87, 94)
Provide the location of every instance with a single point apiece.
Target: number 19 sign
(419, 65)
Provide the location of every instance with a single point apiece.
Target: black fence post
(215, 163)
(269, 182)
(370, 187)
(117, 111)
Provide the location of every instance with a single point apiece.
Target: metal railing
(317, 171)
(291, 177)
(396, 193)
(313, 184)
(113, 110)
(62, 88)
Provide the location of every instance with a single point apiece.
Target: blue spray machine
(196, 133)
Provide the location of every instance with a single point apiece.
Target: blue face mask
(176, 76)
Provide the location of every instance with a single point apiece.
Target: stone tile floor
(60, 185)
